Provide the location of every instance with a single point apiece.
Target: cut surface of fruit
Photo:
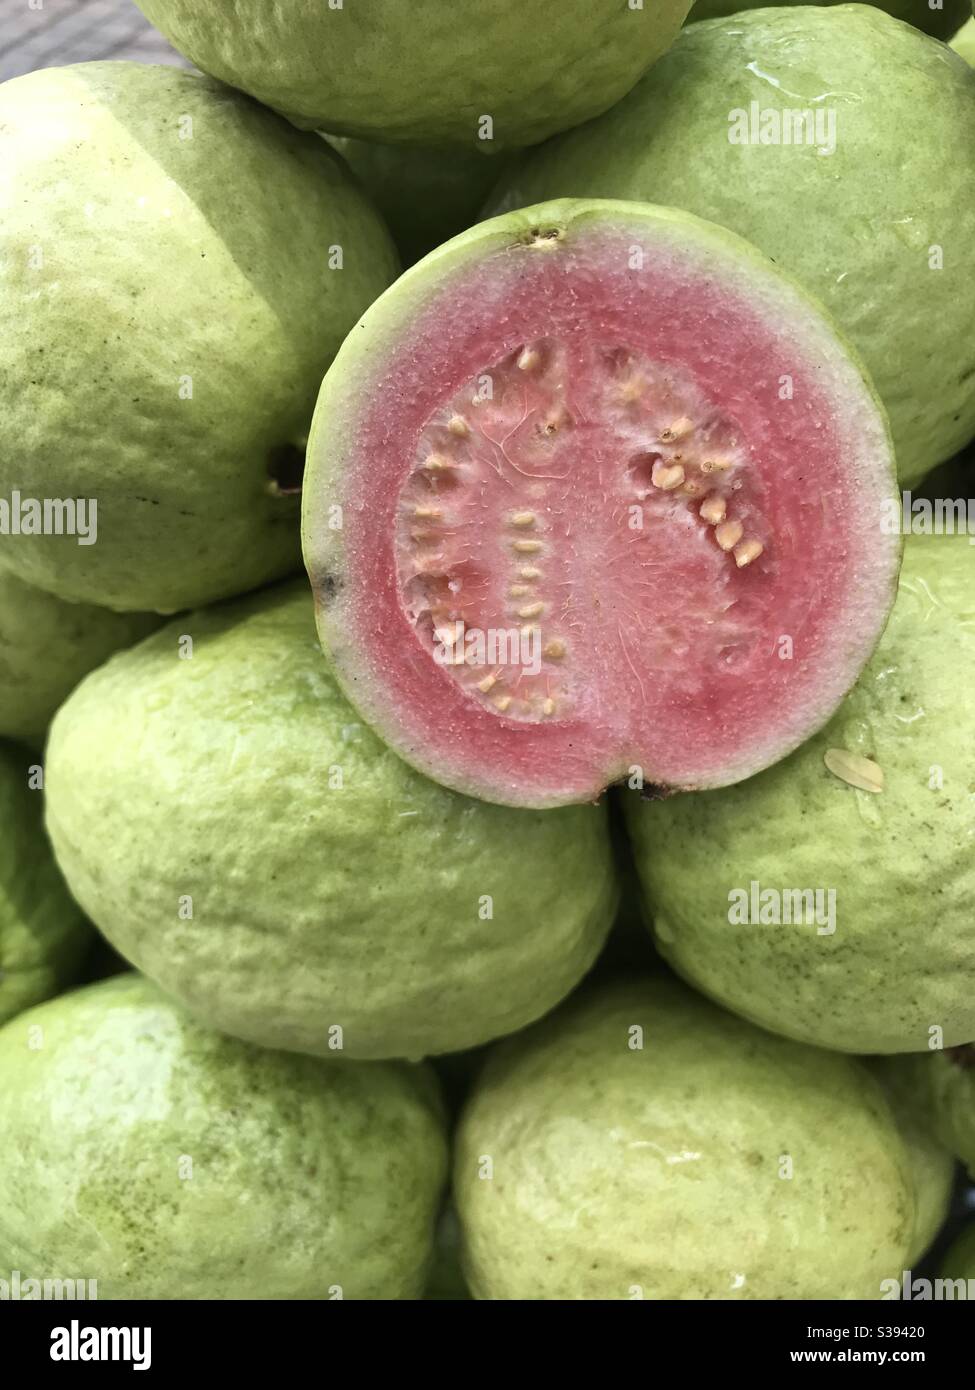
(575, 485)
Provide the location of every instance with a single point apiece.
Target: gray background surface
(75, 31)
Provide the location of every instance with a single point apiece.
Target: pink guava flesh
(608, 515)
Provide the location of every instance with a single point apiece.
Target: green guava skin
(656, 1172)
(940, 23)
(331, 885)
(306, 1179)
(964, 42)
(854, 227)
(160, 234)
(902, 956)
(959, 1261)
(424, 195)
(43, 936)
(932, 1165)
(46, 646)
(426, 72)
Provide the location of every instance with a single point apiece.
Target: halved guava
(594, 488)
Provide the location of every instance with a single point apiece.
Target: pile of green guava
(346, 951)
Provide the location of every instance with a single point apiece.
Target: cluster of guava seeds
(494, 473)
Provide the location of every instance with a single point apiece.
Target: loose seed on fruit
(428, 513)
(728, 534)
(529, 572)
(519, 590)
(501, 702)
(487, 683)
(554, 650)
(527, 547)
(858, 771)
(717, 464)
(458, 426)
(438, 463)
(523, 519)
(548, 706)
(528, 359)
(531, 610)
(746, 552)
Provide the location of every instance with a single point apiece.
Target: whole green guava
(46, 646)
(932, 1165)
(43, 936)
(426, 195)
(941, 22)
(177, 269)
(964, 42)
(959, 1261)
(944, 1083)
(829, 898)
(842, 198)
(164, 1161)
(641, 1143)
(426, 71)
(237, 834)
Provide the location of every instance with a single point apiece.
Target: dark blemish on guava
(963, 1056)
(285, 469)
(536, 236)
(654, 791)
(328, 587)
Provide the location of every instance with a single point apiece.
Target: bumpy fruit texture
(43, 935)
(941, 22)
(875, 811)
(170, 294)
(239, 837)
(46, 646)
(855, 215)
(641, 1143)
(568, 481)
(427, 72)
(167, 1162)
(425, 195)
(959, 1262)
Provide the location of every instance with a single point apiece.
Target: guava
(424, 195)
(932, 1164)
(964, 42)
(177, 268)
(641, 1143)
(426, 72)
(43, 936)
(959, 1261)
(238, 836)
(46, 646)
(567, 482)
(941, 22)
(790, 126)
(829, 898)
(164, 1161)
(944, 1083)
